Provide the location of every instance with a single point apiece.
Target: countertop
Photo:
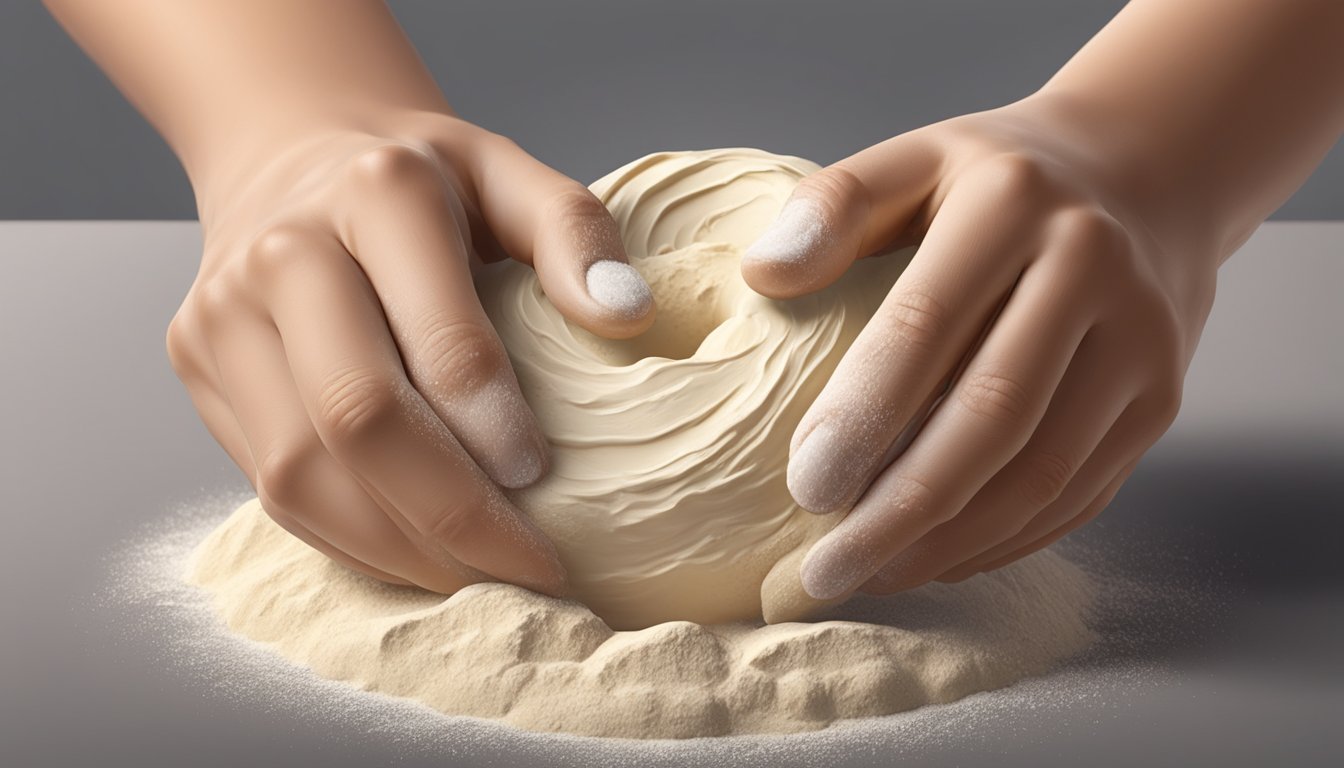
(1241, 505)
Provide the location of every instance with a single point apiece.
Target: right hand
(334, 345)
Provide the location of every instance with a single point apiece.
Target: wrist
(1184, 238)
(1146, 171)
(220, 169)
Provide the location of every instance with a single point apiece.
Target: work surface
(1244, 496)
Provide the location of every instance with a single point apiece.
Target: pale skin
(1069, 244)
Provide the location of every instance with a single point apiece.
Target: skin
(332, 341)
(1069, 244)
(1035, 348)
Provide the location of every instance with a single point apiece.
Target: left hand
(1038, 270)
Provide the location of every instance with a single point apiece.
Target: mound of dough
(501, 652)
(667, 497)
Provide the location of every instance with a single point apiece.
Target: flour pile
(500, 652)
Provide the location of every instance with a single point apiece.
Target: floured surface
(499, 652)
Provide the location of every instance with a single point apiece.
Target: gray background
(1239, 504)
(587, 86)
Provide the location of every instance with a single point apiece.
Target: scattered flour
(1150, 600)
(500, 652)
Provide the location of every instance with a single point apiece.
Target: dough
(666, 497)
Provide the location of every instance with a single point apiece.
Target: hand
(334, 345)
(1037, 271)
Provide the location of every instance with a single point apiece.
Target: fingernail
(516, 455)
(523, 468)
(831, 569)
(817, 477)
(797, 232)
(619, 287)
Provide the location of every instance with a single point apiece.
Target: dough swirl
(667, 496)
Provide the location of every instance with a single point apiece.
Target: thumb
(846, 211)
(581, 263)
(544, 218)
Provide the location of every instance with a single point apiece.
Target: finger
(841, 213)
(987, 417)
(301, 532)
(1088, 513)
(194, 363)
(200, 373)
(220, 421)
(927, 324)
(300, 485)
(546, 219)
(408, 239)
(375, 423)
(1084, 409)
(1133, 432)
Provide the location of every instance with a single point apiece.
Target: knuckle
(1091, 229)
(215, 301)
(914, 499)
(180, 344)
(995, 397)
(916, 318)
(395, 163)
(1165, 399)
(1015, 175)
(353, 402)
(497, 142)
(451, 522)
(275, 247)
(281, 474)
(1094, 244)
(482, 141)
(1044, 477)
(575, 206)
(1162, 336)
(835, 186)
(460, 355)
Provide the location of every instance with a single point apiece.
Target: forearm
(1215, 111)
(221, 78)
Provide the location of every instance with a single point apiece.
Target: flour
(500, 652)
(617, 286)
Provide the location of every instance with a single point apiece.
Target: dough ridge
(666, 496)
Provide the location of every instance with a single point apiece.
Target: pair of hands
(334, 345)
